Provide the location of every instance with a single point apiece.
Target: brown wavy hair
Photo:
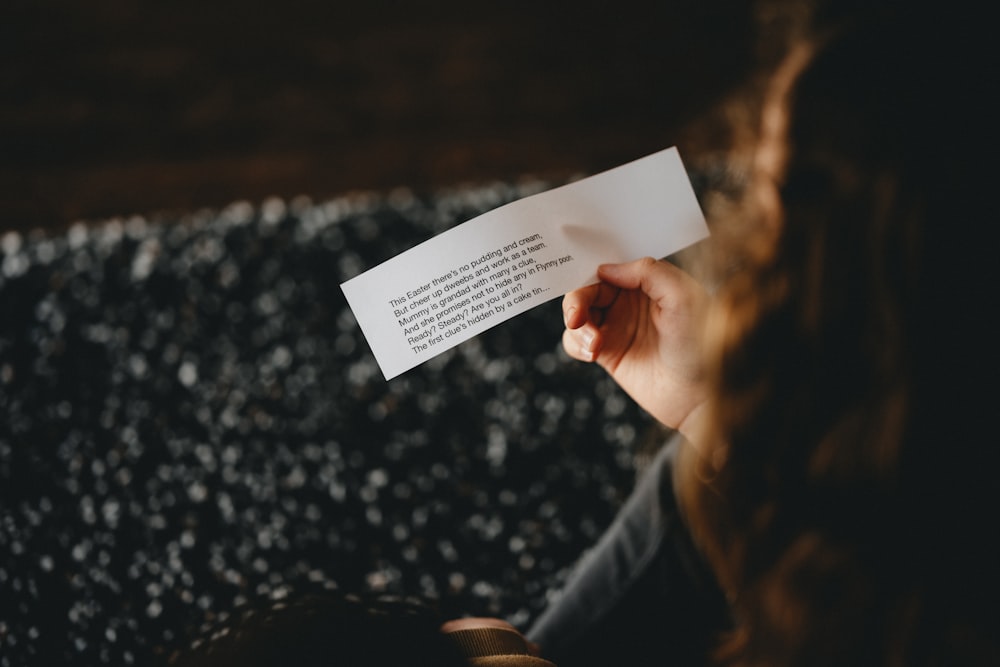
(845, 499)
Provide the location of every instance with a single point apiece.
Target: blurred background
(124, 106)
(190, 419)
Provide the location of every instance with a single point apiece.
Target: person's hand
(642, 324)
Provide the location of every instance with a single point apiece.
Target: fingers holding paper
(642, 324)
(584, 312)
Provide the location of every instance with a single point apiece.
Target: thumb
(656, 279)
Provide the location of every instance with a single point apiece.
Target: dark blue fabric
(190, 419)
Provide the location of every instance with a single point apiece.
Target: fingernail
(587, 343)
(568, 315)
(607, 269)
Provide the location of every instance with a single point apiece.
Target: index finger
(579, 305)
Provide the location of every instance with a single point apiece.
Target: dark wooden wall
(128, 106)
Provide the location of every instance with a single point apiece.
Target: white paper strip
(487, 270)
